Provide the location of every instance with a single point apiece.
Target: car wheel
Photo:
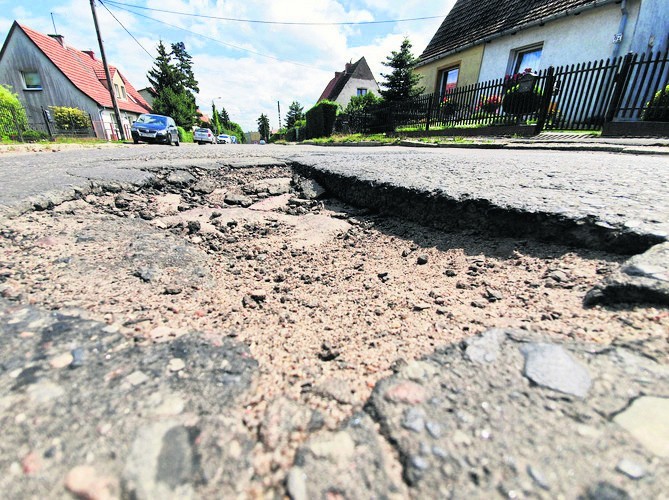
(176, 143)
(136, 141)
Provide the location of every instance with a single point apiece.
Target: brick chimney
(59, 38)
(90, 53)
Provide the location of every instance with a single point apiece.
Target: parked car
(202, 135)
(224, 139)
(155, 128)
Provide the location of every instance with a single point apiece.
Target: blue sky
(245, 67)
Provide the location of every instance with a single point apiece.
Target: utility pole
(278, 106)
(117, 112)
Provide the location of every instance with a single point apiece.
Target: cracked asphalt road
(157, 341)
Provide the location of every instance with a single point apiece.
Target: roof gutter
(537, 22)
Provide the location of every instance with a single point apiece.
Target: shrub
(70, 118)
(657, 110)
(321, 119)
(11, 112)
(185, 136)
(34, 136)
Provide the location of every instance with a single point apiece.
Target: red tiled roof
(471, 22)
(86, 73)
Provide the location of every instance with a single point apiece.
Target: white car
(202, 135)
(224, 139)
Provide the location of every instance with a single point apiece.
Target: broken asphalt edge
(442, 211)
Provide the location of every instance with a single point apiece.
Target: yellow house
(441, 73)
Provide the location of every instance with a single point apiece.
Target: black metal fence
(576, 97)
(643, 93)
(32, 124)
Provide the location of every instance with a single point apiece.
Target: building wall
(351, 89)
(651, 31)
(21, 54)
(469, 61)
(568, 40)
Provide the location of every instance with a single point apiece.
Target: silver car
(203, 135)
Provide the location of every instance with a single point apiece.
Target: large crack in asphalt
(330, 310)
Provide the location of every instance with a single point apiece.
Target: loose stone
(551, 366)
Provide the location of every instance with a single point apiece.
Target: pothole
(329, 299)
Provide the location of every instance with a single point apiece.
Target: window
(362, 92)
(448, 79)
(31, 80)
(123, 92)
(527, 58)
(118, 92)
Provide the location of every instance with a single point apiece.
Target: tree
(295, 113)
(224, 117)
(402, 82)
(184, 65)
(361, 103)
(263, 127)
(162, 75)
(174, 83)
(215, 119)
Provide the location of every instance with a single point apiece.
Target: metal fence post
(45, 117)
(621, 83)
(549, 83)
(429, 113)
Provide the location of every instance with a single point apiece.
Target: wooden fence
(576, 97)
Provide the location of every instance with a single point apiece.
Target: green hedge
(11, 113)
(321, 119)
(185, 136)
(67, 118)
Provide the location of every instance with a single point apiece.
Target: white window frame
(361, 91)
(516, 57)
(25, 83)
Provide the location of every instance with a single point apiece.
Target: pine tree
(184, 65)
(295, 113)
(162, 75)
(402, 82)
(224, 117)
(174, 82)
(263, 127)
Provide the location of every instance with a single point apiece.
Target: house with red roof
(44, 71)
(356, 79)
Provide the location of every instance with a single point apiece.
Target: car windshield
(203, 130)
(157, 119)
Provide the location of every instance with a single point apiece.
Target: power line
(288, 23)
(213, 39)
(126, 30)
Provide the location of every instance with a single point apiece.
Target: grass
(59, 140)
(355, 138)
